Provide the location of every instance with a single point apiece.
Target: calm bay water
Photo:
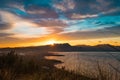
(87, 61)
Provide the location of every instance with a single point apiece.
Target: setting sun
(51, 42)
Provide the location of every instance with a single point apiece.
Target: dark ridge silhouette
(67, 47)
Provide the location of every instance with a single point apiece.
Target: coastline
(34, 67)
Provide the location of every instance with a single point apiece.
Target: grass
(15, 67)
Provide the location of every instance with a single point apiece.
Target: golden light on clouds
(17, 30)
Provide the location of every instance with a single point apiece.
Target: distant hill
(68, 47)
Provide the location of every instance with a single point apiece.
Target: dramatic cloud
(71, 19)
(101, 33)
(53, 25)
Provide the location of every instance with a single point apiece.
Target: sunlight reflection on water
(86, 61)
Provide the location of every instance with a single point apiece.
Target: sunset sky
(41, 22)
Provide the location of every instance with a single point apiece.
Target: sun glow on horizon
(51, 42)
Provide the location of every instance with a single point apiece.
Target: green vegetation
(14, 67)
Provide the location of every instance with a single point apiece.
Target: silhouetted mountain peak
(62, 45)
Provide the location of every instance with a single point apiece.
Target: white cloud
(79, 16)
(26, 30)
(8, 17)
